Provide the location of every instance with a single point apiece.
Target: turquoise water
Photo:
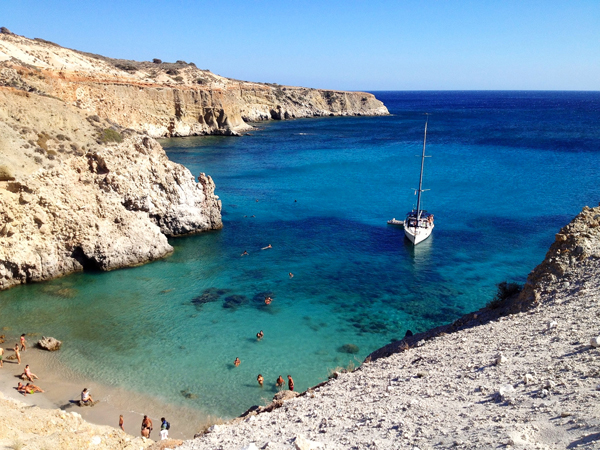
(508, 169)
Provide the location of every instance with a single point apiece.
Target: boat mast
(421, 176)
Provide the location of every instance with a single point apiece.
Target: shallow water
(508, 169)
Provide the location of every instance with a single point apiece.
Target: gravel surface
(530, 380)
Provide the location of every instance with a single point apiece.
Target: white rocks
(528, 378)
(49, 343)
(251, 446)
(551, 325)
(500, 359)
(301, 443)
(595, 341)
(506, 391)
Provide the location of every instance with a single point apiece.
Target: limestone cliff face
(83, 184)
(162, 99)
(575, 242)
(90, 206)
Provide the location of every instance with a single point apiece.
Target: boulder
(49, 343)
(301, 443)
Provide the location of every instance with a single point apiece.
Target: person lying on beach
(279, 382)
(260, 379)
(236, 362)
(28, 388)
(260, 335)
(86, 398)
(23, 346)
(267, 247)
(17, 353)
(146, 427)
(27, 374)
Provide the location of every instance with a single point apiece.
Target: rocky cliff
(164, 99)
(83, 184)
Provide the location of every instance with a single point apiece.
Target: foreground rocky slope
(33, 428)
(530, 380)
(82, 183)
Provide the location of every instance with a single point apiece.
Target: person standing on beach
(16, 349)
(121, 421)
(290, 383)
(23, 346)
(146, 427)
(164, 429)
(1, 356)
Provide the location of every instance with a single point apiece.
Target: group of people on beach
(86, 398)
(147, 427)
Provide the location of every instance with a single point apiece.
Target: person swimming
(260, 335)
(245, 253)
(236, 362)
(268, 300)
(290, 382)
(291, 275)
(260, 379)
(267, 247)
(279, 382)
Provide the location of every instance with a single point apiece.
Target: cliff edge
(83, 183)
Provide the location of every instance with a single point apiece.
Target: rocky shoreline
(522, 374)
(83, 183)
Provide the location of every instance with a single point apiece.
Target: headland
(83, 183)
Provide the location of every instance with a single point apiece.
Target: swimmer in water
(245, 253)
(260, 379)
(279, 382)
(291, 275)
(260, 335)
(236, 362)
(290, 383)
(267, 247)
(268, 300)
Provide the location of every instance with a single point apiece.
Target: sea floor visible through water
(507, 170)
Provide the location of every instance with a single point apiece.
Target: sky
(339, 44)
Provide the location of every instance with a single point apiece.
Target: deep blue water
(507, 170)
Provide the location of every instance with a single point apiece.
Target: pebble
(595, 341)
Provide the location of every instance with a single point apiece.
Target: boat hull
(417, 235)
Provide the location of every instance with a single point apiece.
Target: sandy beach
(63, 386)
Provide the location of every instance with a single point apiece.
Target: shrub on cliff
(110, 135)
(157, 61)
(506, 290)
(42, 140)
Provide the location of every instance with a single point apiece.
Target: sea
(506, 170)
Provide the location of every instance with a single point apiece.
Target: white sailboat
(419, 223)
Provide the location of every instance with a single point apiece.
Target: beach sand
(63, 386)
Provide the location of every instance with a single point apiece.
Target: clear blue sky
(338, 44)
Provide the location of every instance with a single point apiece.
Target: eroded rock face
(164, 99)
(112, 207)
(575, 242)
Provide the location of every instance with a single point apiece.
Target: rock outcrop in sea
(83, 183)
